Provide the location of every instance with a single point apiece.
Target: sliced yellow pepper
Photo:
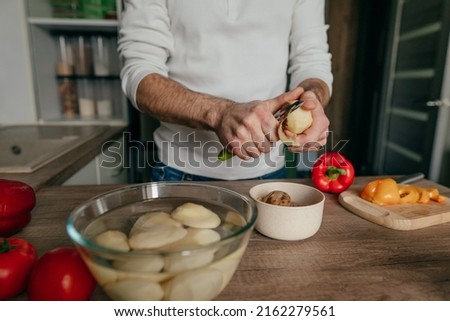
(434, 195)
(386, 191)
(381, 191)
(408, 194)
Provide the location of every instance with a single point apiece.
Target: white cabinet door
(107, 168)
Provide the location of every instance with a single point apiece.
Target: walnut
(277, 198)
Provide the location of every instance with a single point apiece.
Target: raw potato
(228, 265)
(102, 274)
(193, 238)
(95, 228)
(195, 215)
(113, 239)
(232, 222)
(196, 285)
(154, 263)
(156, 236)
(234, 218)
(152, 219)
(156, 277)
(296, 122)
(134, 290)
(182, 263)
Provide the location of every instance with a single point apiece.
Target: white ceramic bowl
(289, 222)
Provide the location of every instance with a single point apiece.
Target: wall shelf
(61, 24)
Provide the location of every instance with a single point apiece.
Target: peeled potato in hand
(296, 122)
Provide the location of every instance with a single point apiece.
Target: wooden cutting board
(399, 217)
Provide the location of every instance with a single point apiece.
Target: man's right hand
(249, 129)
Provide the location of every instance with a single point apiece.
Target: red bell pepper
(332, 173)
(17, 258)
(17, 199)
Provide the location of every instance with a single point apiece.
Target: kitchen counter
(59, 170)
(348, 259)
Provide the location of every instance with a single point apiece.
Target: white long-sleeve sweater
(236, 49)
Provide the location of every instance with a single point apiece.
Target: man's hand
(315, 136)
(316, 96)
(249, 129)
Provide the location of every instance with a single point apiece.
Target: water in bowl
(172, 271)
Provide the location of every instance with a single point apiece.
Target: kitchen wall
(357, 37)
(16, 88)
(342, 17)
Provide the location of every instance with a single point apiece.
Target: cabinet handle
(439, 103)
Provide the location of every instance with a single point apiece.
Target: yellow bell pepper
(381, 191)
(409, 194)
(386, 191)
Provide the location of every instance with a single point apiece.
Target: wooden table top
(348, 259)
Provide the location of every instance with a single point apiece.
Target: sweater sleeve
(145, 42)
(309, 55)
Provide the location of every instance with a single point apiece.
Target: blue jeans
(162, 172)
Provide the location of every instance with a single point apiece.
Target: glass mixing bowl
(163, 241)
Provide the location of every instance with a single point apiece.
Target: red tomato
(17, 199)
(17, 258)
(60, 275)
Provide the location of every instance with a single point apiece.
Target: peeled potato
(154, 263)
(196, 215)
(113, 239)
(156, 236)
(296, 122)
(134, 290)
(193, 238)
(153, 219)
(102, 274)
(195, 285)
(228, 264)
(183, 263)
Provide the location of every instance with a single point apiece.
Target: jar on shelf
(64, 64)
(101, 51)
(104, 98)
(83, 56)
(86, 98)
(67, 90)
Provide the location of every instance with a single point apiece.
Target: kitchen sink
(25, 148)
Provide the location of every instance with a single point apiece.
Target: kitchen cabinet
(75, 73)
(75, 66)
(106, 168)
